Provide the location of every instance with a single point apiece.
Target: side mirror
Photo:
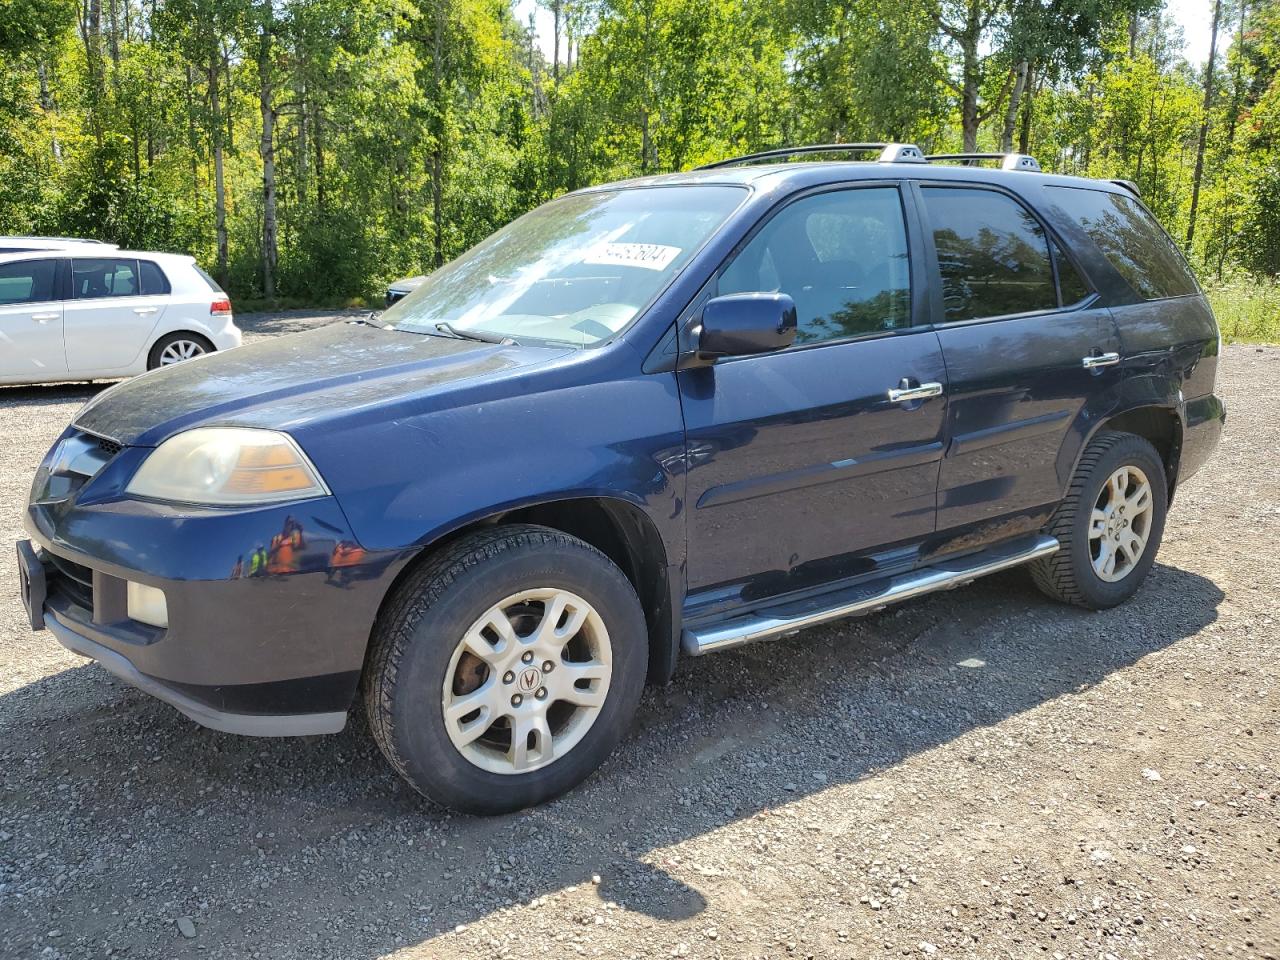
(742, 324)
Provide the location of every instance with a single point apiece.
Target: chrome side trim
(865, 598)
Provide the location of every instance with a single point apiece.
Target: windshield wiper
(452, 331)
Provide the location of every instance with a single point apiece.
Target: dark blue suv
(647, 420)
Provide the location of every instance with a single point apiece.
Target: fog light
(147, 604)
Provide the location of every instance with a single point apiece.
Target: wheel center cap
(529, 679)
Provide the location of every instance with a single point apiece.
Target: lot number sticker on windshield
(648, 256)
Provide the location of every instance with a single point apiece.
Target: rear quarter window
(1131, 239)
(153, 279)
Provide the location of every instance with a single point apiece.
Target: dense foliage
(313, 149)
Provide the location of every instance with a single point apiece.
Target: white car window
(28, 281)
(104, 277)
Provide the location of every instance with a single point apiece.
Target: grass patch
(1247, 308)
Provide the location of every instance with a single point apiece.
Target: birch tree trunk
(267, 150)
(1204, 124)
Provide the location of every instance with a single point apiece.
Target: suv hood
(292, 380)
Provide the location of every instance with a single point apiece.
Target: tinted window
(841, 256)
(1131, 239)
(104, 277)
(1071, 285)
(28, 281)
(153, 278)
(992, 254)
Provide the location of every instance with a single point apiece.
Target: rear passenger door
(1031, 361)
(114, 306)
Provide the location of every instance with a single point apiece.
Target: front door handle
(1101, 360)
(143, 311)
(903, 393)
(44, 317)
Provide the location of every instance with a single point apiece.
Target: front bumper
(269, 609)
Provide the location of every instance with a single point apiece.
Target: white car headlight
(227, 466)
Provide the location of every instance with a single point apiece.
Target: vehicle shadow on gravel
(313, 847)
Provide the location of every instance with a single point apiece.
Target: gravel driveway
(980, 774)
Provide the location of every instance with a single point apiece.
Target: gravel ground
(978, 774)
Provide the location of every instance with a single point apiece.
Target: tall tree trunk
(267, 150)
(1011, 112)
(317, 141)
(438, 132)
(970, 83)
(556, 14)
(48, 106)
(1232, 121)
(219, 183)
(1204, 124)
(1028, 111)
(191, 132)
(91, 32)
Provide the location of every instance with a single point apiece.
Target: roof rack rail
(888, 153)
(1008, 161)
(1130, 186)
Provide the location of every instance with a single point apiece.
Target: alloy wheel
(180, 350)
(1120, 524)
(527, 681)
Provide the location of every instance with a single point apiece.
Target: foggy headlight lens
(227, 466)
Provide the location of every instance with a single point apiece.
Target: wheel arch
(620, 530)
(1160, 425)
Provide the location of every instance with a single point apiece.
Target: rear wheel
(506, 669)
(175, 347)
(1109, 526)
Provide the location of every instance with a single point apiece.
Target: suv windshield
(576, 270)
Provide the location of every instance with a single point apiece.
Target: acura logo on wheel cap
(530, 679)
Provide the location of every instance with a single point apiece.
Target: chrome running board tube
(788, 617)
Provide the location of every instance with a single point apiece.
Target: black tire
(1068, 575)
(415, 637)
(153, 358)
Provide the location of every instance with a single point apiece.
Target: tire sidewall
(1132, 451)
(421, 742)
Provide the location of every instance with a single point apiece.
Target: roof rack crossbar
(1008, 161)
(888, 153)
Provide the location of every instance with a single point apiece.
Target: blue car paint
(759, 477)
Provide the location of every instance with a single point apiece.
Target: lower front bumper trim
(244, 724)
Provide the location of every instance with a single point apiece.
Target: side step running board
(785, 618)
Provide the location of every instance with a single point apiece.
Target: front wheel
(506, 669)
(1109, 526)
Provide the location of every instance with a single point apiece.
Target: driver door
(802, 467)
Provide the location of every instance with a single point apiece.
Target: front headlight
(227, 466)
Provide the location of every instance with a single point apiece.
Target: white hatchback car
(80, 313)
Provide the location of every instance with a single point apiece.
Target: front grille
(72, 579)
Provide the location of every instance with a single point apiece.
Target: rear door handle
(1101, 360)
(143, 311)
(44, 317)
(904, 393)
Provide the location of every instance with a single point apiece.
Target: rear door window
(993, 255)
(28, 281)
(93, 278)
(1131, 239)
